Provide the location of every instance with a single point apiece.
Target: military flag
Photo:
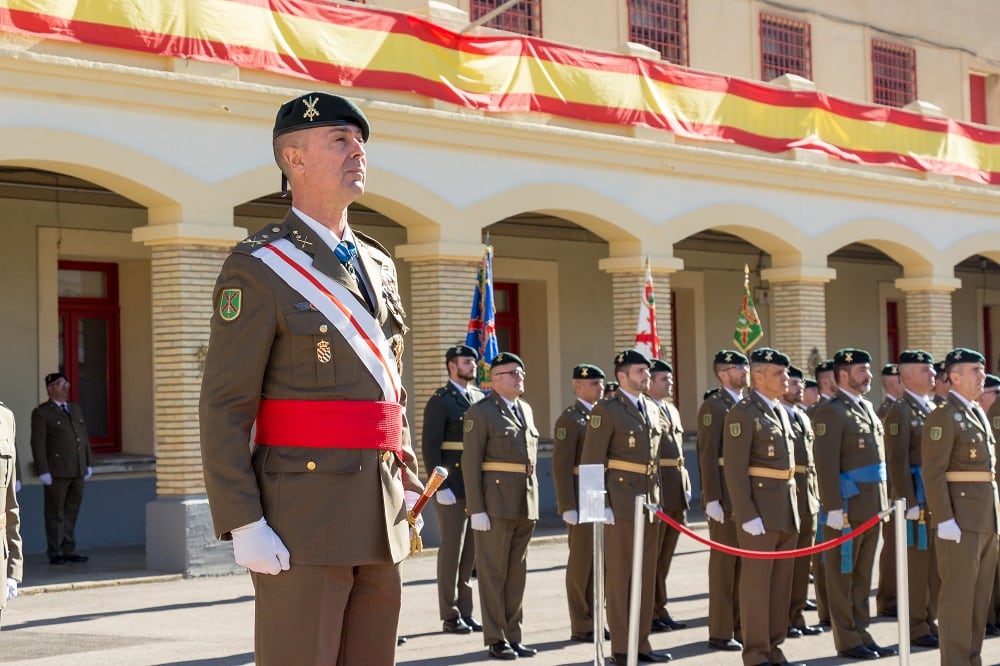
(647, 340)
(482, 332)
(748, 327)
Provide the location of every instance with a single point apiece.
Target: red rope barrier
(769, 555)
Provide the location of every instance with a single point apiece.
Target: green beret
(587, 371)
(851, 356)
(915, 356)
(768, 355)
(53, 377)
(460, 350)
(795, 373)
(503, 358)
(731, 357)
(992, 381)
(939, 367)
(611, 386)
(890, 370)
(811, 383)
(963, 355)
(630, 357)
(824, 366)
(659, 365)
(318, 109)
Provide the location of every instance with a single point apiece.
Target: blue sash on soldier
(916, 530)
(849, 481)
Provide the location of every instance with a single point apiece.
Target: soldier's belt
(635, 468)
(804, 469)
(671, 462)
(515, 468)
(771, 473)
(452, 446)
(722, 462)
(970, 477)
(576, 469)
(331, 424)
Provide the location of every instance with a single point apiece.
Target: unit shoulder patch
(595, 421)
(735, 429)
(936, 433)
(469, 425)
(230, 304)
(820, 429)
(894, 428)
(706, 419)
(560, 433)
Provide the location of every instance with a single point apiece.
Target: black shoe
(882, 651)
(400, 640)
(455, 626)
(888, 612)
(56, 559)
(858, 652)
(787, 663)
(810, 605)
(473, 623)
(619, 659)
(992, 630)
(500, 650)
(824, 623)
(674, 624)
(659, 626)
(75, 559)
(582, 637)
(523, 650)
(927, 641)
(654, 657)
(794, 632)
(727, 644)
(811, 631)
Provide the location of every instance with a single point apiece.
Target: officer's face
(810, 396)
(59, 390)
(794, 393)
(917, 377)
(771, 380)
(635, 379)
(660, 385)
(463, 368)
(508, 380)
(589, 390)
(967, 379)
(988, 397)
(332, 160)
(735, 377)
(859, 378)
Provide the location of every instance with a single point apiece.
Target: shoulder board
(370, 241)
(440, 392)
(569, 410)
(265, 235)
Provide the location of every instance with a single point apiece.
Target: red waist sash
(331, 424)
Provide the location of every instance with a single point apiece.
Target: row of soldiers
(775, 476)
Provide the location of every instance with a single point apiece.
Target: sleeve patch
(469, 425)
(820, 429)
(230, 304)
(560, 433)
(595, 421)
(936, 433)
(735, 429)
(893, 428)
(706, 419)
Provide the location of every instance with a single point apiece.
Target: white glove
(609, 516)
(46, 479)
(411, 497)
(11, 588)
(445, 497)
(571, 517)
(754, 527)
(259, 549)
(949, 531)
(715, 512)
(90, 470)
(913, 513)
(17, 486)
(687, 496)
(480, 522)
(835, 519)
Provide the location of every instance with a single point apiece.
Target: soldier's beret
(992, 381)
(811, 383)
(890, 370)
(53, 377)
(631, 357)
(824, 366)
(611, 386)
(317, 109)
(659, 365)
(963, 355)
(768, 355)
(939, 367)
(731, 357)
(587, 371)
(915, 356)
(503, 358)
(851, 356)
(460, 350)
(795, 373)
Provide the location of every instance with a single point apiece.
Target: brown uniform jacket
(848, 438)
(619, 432)
(675, 482)
(12, 560)
(904, 426)
(570, 431)
(494, 434)
(806, 484)
(755, 437)
(59, 442)
(884, 407)
(711, 421)
(330, 506)
(954, 440)
(443, 423)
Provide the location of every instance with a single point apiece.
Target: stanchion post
(902, 584)
(635, 588)
(595, 501)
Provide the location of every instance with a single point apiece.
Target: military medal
(770, 450)
(861, 442)
(323, 352)
(972, 454)
(631, 440)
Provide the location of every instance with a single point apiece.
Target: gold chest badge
(324, 354)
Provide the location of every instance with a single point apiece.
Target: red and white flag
(647, 340)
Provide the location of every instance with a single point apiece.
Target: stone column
(928, 313)
(628, 280)
(798, 306)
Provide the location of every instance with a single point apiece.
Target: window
(785, 48)
(524, 17)
(660, 25)
(977, 98)
(894, 74)
(892, 330)
(507, 317)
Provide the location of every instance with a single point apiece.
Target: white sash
(357, 325)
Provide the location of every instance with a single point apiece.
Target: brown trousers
(502, 572)
(723, 582)
(455, 560)
(618, 560)
(665, 555)
(967, 569)
(765, 590)
(885, 595)
(580, 578)
(800, 570)
(847, 594)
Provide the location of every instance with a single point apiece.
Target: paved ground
(109, 612)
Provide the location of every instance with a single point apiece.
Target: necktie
(517, 413)
(642, 409)
(63, 406)
(346, 252)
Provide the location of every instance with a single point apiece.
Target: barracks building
(846, 152)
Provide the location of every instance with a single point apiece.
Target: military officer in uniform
(61, 449)
(675, 487)
(501, 490)
(810, 393)
(807, 494)
(892, 388)
(570, 430)
(904, 426)
(827, 388)
(624, 436)
(959, 470)
(12, 559)
(885, 596)
(850, 463)
(442, 445)
(760, 475)
(733, 370)
(991, 404)
(317, 509)
(942, 387)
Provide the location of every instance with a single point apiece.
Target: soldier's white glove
(46, 479)
(571, 517)
(90, 470)
(445, 497)
(913, 513)
(754, 527)
(687, 496)
(17, 486)
(835, 519)
(949, 531)
(411, 497)
(11, 588)
(480, 522)
(715, 512)
(258, 548)
(609, 516)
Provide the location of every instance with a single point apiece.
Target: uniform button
(498, 482)
(275, 229)
(760, 485)
(322, 328)
(457, 465)
(310, 465)
(621, 479)
(962, 493)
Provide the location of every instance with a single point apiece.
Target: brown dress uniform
(959, 463)
(807, 493)
(441, 444)
(818, 561)
(499, 469)
(339, 511)
(849, 440)
(675, 494)
(570, 431)
(885, 594)
(904, 426)
(9, 514)
(760, 475)
(628, 445)
(723, 569)
(993, 617)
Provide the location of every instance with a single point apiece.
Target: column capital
(944, 283)
(657, 265)
(176, 233)
(415, 252)
(820, 274)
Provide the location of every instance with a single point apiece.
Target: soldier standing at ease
(442, 445)
(675, 487)
(760, 474)
(904, 426)
(570, 431)
(885, 596)
(959, 468)
(733, 370)
(827, 388)
(850, 463)
(624, 436)
(501, 490)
